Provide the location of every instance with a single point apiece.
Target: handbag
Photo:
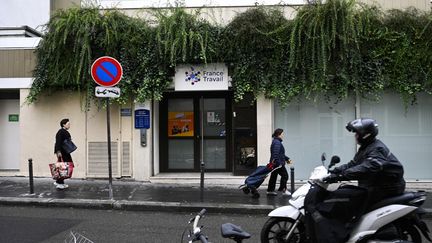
(68, 146)
(61, 169)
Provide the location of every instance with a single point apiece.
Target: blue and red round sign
(106, 71)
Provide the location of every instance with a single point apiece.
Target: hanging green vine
(252, 53)
(185, 38)
(408, 66)
(75, 38)
(334, 49)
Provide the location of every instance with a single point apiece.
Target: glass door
(214, 125)
(181, 131)
(194, 128)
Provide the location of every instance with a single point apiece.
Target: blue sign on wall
(142, 119)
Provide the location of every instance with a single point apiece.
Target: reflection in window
(180, 154)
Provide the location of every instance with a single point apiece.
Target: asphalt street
(40, 224)
(49, 225)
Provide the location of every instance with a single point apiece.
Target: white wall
(264, 128)
(39, 123)
(142, 157)
(24, 12)
(191, 3)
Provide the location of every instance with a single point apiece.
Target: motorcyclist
(379, 174)
(374, 166)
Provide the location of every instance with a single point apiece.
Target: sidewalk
(132, 195)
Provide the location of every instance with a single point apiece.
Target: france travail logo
(193, 76)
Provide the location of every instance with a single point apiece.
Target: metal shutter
(126, 165)
(98, 159)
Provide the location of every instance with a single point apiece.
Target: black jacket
(61, 135)
(376, 169)
(277, 151)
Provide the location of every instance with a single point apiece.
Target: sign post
(107, 72)
(202, 163)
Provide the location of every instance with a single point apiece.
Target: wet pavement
(132, 195)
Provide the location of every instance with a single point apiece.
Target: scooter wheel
(276, 229)
(246, 190)
(255, 194)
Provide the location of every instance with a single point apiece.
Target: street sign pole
(107, 72)
(109, 149)
(202, 164)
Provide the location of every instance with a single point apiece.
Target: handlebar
(197, 218)
(195, 233)
(202, 212)
(203, 239)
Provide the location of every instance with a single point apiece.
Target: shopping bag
(61, 169)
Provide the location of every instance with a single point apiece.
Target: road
(36, 224)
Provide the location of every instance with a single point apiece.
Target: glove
(332, 178)
(270, 166)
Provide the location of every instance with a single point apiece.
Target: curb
(147, 205)
(138, 205)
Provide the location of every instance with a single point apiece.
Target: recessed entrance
(207, 126)
(194, 127)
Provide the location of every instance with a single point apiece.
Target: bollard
(292, 178)
(30, 163)
(202, 181)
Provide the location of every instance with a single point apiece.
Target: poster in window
(180, 124)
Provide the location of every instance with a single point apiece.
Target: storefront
(200, 122)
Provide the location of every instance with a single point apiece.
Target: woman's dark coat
(61, 135)
(277, 151)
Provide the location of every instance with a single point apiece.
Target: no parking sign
(106, 71)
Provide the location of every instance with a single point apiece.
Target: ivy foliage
(334, 49)
(408, 54)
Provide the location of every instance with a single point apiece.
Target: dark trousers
(328, 214)
(283, 181)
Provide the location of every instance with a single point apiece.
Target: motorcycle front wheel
(276, 229)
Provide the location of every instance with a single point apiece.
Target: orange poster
(180, 124)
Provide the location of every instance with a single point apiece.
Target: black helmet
(366, 128)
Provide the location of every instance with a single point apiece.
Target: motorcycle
(396, 219)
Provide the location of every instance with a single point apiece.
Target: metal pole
(30, 164)
(202, 164)
(109, 149)
(292, 178)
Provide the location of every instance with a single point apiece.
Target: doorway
(9, 130)
(245, 135)
(194, 127)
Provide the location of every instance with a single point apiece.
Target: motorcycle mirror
(334, 160)
(323, 157)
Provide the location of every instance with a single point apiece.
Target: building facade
(193, 124)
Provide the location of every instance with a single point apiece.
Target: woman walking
(60, 152)
(279, 158)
